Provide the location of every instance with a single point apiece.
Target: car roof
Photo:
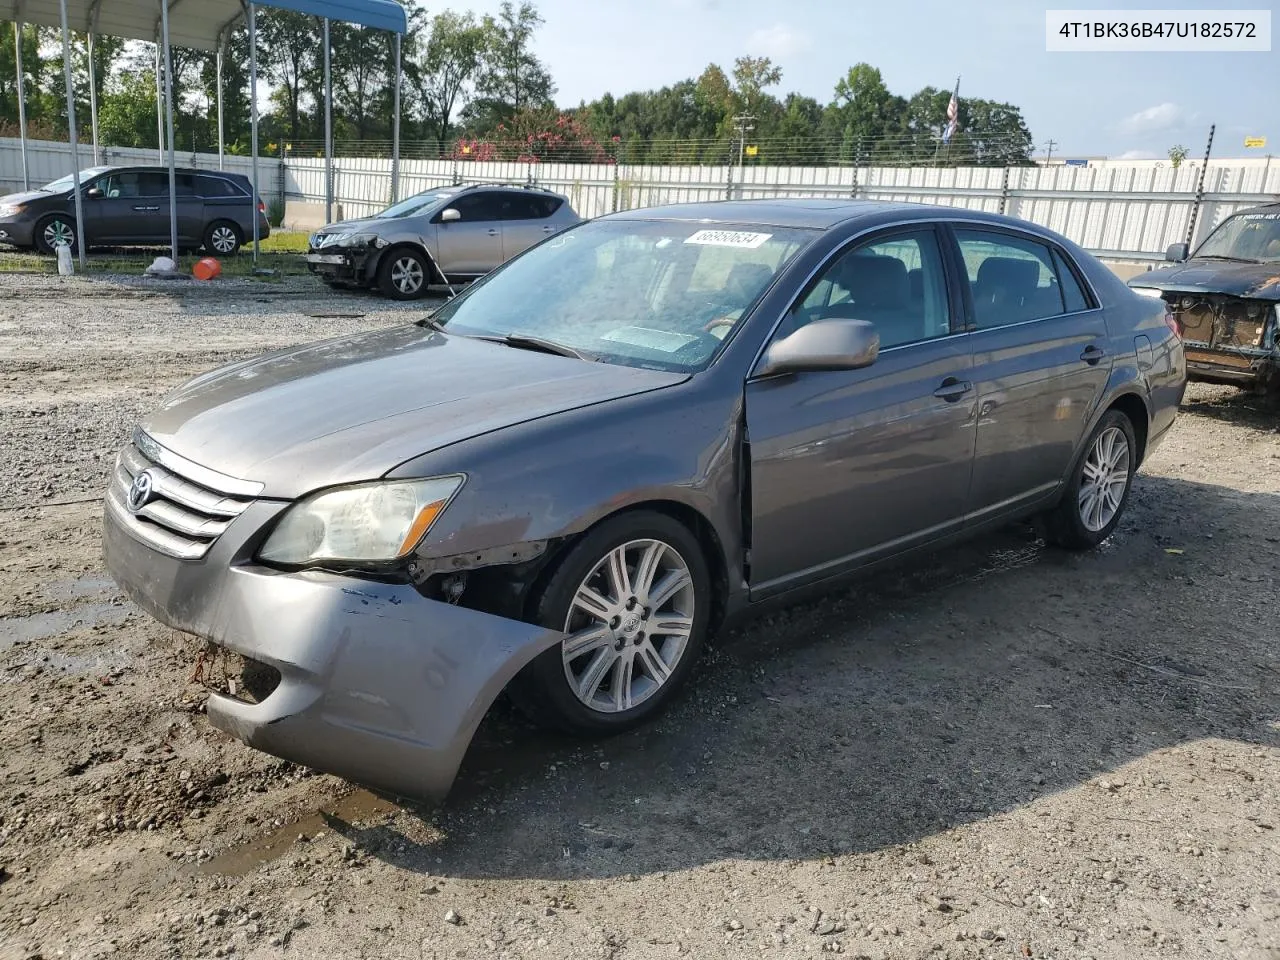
(810, 212)
(120, 168)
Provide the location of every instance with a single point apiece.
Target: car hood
(353, 408)
(24, 197)
(347, 226)
(1258, 281)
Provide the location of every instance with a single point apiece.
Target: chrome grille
(183, 518)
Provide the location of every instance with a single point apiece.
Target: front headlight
(1148, 291)
(10, 209)
(368, 523)
(359, 240)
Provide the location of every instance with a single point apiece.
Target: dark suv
(129, 206)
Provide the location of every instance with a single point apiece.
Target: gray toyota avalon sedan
(638, 431)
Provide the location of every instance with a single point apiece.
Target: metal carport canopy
(198, 24)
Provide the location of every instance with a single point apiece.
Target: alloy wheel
(407, 275)
(628, 626)
(224, 239)
(58, 233)
(1104, 479)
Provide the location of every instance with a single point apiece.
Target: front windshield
(651, 294)
(1246, 236)
(66, 183)
(415, 204)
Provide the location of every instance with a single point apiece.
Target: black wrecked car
(1226, 300)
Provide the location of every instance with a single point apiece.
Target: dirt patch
(999, 751)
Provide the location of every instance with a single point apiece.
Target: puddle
(39, 626)
(90, 585)
(356, 806)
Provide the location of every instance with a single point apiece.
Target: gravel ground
(999, 751)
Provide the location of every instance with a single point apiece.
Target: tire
(587, 692)
(1088, 513)
(222, 239)
(50, 228)
(404, 274)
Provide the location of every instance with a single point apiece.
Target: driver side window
(895, 282)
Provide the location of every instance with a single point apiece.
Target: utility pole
(1049, 150)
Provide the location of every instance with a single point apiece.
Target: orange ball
(207, 268)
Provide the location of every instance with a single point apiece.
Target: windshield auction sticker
(729, 238)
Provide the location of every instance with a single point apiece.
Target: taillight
(262, 207)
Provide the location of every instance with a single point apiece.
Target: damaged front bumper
(376, 683)
(347, 266)
(1229, 339)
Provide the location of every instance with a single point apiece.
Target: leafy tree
(450, 66)
(1177, 154)
(512, 77)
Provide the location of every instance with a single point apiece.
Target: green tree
(451, 61)
(512, 78)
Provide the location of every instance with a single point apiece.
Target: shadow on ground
(961, 685)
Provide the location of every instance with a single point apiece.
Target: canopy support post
(328, 128)
(253, 118)
(22, 107)
(168, 110)
(222, 45)
(159, 107)
(71, 134)
(93, 101)
(395, 132)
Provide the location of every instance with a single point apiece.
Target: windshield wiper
(524, 341)
(431, 324)
(1223, 256)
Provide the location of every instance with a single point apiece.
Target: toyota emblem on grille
(141, 491)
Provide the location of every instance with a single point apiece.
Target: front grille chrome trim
(194, 472)
(184, 517)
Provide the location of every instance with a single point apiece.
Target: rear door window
(530, 207)
(1012, 278)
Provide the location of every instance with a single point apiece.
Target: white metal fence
(1118, 211)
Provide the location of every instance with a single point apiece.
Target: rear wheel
(1098, 489)
(54, 231)
(633, 597)
(404, 274)
(222, 239)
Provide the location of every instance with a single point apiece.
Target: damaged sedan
(641, 430)
(1226, 300)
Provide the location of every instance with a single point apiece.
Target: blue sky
(1110, 104)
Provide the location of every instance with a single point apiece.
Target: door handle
(548, 229)
(1092, 354)
(493, 233)
(952, 389)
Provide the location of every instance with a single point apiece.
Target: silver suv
(440, 236)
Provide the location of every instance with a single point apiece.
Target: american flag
(953, 114)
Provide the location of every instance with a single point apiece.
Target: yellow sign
(752, 150)
(1255, 141)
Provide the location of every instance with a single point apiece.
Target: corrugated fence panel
(1121, 209)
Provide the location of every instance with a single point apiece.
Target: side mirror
(823, 345)
(1176, 252)
(450, 215)
(93, 193)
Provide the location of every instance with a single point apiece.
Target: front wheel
(54, 231)
(403, 274)
(1098, 488)
(634, 599)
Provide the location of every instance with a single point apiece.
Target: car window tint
(896, 283)
(153, 184)
(479, 206)
(1012, 279)
(215, 187)
(1073, 294)
(186, 184)
(529, 207)
(119, 185)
